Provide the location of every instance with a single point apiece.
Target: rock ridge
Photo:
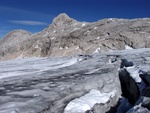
(68, 37)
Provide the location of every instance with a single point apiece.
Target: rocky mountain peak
(18, 32)
(62, 19)
(15, 35)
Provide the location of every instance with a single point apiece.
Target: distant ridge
(65, 36)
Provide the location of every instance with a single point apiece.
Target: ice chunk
(86, 102)
(134, 73)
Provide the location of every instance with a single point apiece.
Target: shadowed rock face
(66, 36)
(127, 86)
(47, 85)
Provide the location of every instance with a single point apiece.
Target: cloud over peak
(26, 22)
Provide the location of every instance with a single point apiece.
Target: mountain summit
(66, 36)
(63, 17)
(60, 23)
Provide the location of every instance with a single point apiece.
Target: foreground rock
(48, 85)
(66, 36)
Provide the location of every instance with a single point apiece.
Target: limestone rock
(66, 36)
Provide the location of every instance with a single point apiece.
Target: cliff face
(66, 36)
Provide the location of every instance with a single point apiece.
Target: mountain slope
(66, 36)
(11, 44)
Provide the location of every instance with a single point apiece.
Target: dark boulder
(129, 87)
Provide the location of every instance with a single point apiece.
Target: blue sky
(35, 15)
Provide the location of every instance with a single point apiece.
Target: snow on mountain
(128, 47)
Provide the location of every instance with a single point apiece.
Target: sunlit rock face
(66, 36)
(58, 84)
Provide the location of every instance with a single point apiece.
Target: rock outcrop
(66, 37)
(11, 46)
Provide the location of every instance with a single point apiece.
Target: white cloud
(8, 10)
(1, 30)
(25, 22)
(11, 12)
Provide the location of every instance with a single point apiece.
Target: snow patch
(37, 46)
(60, 48)
(86, 102)
(77, 48)
(134, 73)
(111, 19)
(75, 24)
(66, 47)
(97, 50)
(83, 25)
(98, 38)
(45, 34)
(20, 57)
(53, 38)
(128, 47)
(95, 27)
(75, 29)
(38, 42)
